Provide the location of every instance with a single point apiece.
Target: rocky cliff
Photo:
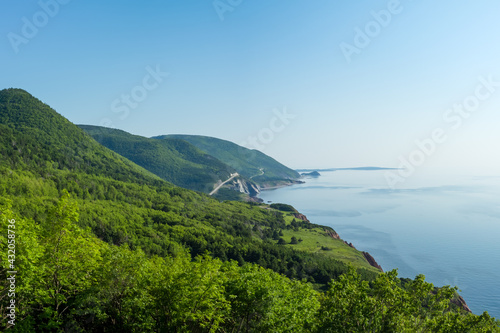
(332, 234)
(371, 260)
(245, 186)
(460, 302)
(301, 217)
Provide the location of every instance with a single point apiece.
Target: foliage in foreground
(70, 281)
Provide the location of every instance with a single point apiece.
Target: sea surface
(443, 224)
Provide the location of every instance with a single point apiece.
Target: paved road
(218, 187)
(262, 172)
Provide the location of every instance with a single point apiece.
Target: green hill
(174, 160)
(35, 137)
(251, 164)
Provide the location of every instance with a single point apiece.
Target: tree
(190, 296)
(120, 301)
(294, 240)
(68, 265)
(23, 237)
(264, 301)
(352, 305)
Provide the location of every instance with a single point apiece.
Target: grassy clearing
(316, 240)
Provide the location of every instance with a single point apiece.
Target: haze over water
(441, 224)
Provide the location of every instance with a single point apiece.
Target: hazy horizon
(318, 85)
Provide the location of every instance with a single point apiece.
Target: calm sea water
(445, 226)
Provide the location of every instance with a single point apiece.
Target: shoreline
(368, 257)
(275, 187)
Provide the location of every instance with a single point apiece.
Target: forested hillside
(35, 137)
(249, 163)
(174, 160)
(102, 245)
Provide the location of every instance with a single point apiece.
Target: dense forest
(173, 160)
(102, 245)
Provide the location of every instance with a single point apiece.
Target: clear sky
(314, 84)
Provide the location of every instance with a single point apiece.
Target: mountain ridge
(173, 160)
(29, 126)
(252, 164)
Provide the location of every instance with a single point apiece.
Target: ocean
(445, 225)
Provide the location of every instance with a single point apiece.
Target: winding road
(262, 172)
(222, 184)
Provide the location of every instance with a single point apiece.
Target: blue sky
(271, 74)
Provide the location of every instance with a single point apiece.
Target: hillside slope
(174, 160)
(252, 164)
(35, 137)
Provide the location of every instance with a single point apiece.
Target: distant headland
(369, 168)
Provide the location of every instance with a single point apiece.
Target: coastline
(368, 257)
(283, 184)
